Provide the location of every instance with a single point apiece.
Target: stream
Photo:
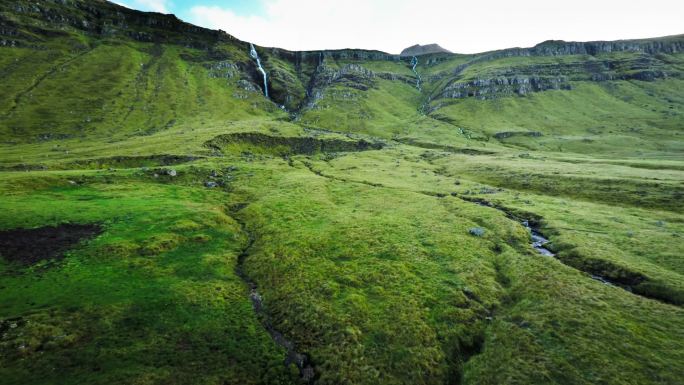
(255, 55)
(539, 241)
(414, 63)
(301, 360)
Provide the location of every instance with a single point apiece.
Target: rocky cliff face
(650, 46)
(353, 76)
(310, 75)
(491, 88)
(297, 80)
(98, 18)
(523, 79)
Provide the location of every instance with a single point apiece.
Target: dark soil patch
(29, 246)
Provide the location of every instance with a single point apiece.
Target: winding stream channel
(539, 241)
(302, 361)
(292, 356)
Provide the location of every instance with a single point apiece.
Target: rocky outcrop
(105, 19)
(222, 69)
(396, 77)
(650, 46)
(667, 45)
(351, 75)
(522, 79)
(417, 50)
(312, 73)
(502, 86)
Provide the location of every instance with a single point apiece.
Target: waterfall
(414, 63)
(253, 53)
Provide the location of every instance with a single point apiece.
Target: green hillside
(163, 222)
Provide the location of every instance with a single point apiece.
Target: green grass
(378, 280)
(364, 260)
(153, 299)
(619, 118)
(119, 90)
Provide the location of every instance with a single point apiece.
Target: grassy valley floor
(366, 261)
(163, 222)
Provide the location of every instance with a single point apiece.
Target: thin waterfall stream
(414, 63)
(255, 55)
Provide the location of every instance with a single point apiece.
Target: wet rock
(210, 184)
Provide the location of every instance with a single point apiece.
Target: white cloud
(121, 3)
(461, 26)
(161, 6)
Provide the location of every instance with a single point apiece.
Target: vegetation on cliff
(375, 225)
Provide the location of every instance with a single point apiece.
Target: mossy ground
(364, 260)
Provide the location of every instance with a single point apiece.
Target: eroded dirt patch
(29, 246)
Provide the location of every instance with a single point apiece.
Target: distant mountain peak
(417, 50)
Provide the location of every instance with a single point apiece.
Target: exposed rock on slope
(502, 86)
(351, 75)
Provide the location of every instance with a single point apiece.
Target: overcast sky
(390, 25)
